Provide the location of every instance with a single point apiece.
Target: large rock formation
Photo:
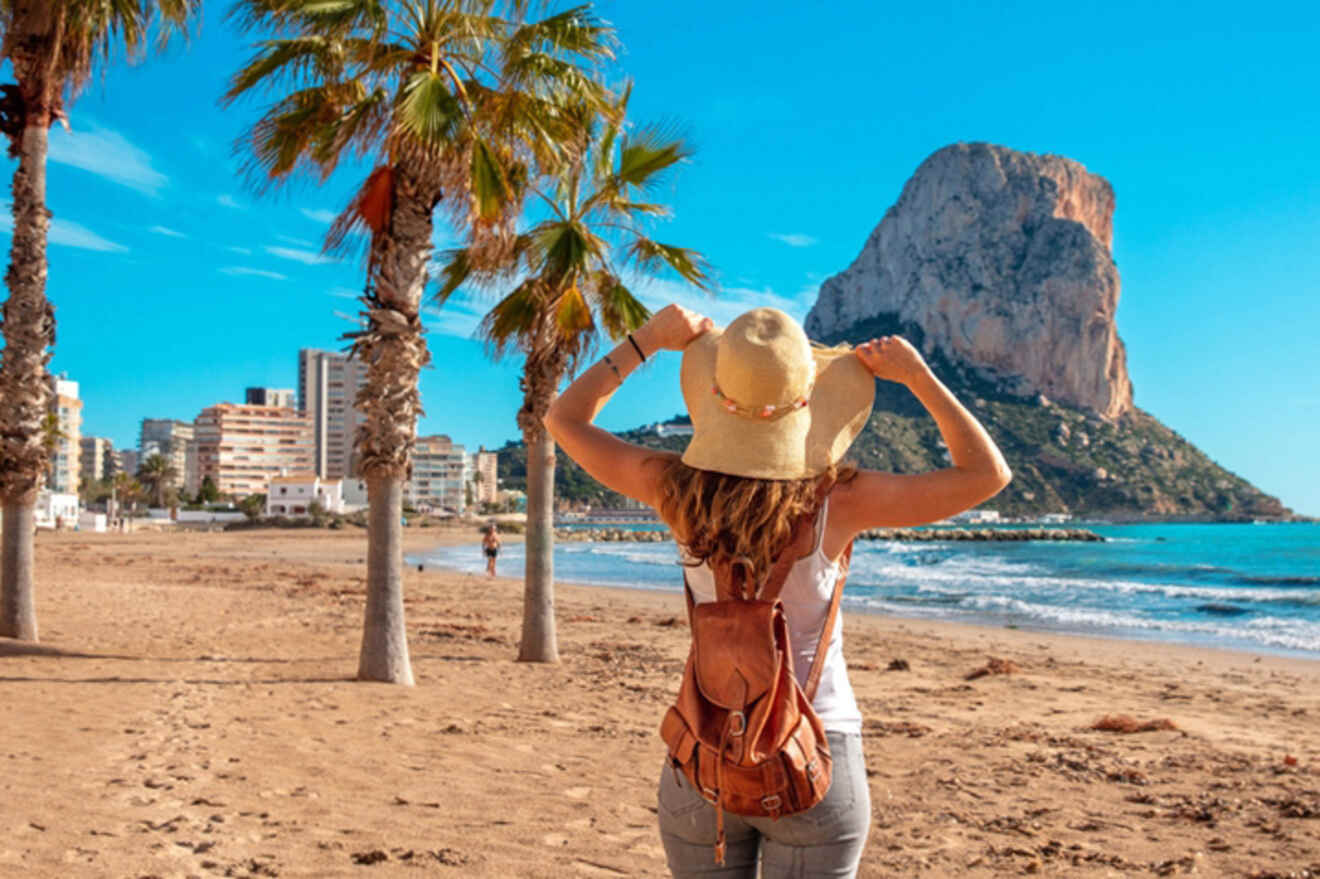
(1002, 260)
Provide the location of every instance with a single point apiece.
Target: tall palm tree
(452, 100)
(569, 283)
(53, 46)
(157, 475)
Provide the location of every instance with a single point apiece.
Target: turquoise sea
(1252, 587)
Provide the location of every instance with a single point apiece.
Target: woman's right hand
(671, 328)
(892, 358)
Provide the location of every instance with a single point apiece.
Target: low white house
(975, 516)
(355, 495)
(56, 510)
(294, 495)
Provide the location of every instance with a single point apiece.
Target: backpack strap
(818, 661)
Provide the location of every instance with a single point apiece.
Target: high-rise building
(439, 475)
(282, 397)
(127, 461)
(97, 458)
(485, 467)
(65, 470)
(169, 439)
(243, 447)
(328, 384)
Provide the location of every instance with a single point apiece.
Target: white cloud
(794, 239)
(725, 305)
(107, 154)
(306, 257)
(300, 242)
(256, 273)
(66, 233)
(345, 293)
(167, 232)
(228, 201)
(320, 215)
(242, 250)
(457, 317)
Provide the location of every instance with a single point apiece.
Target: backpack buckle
(710, 796)
(771, 803)
(741, 726)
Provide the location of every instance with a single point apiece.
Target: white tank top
(806, 597)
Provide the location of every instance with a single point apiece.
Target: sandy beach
(191, 711)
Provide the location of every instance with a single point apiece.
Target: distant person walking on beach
(490, 544)
(772, 416)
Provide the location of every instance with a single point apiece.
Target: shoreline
(1121, 637)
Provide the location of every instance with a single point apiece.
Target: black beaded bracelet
(636, 347)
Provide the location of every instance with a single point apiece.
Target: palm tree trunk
(384, 654)
(545, 367)
(18, 617)
(29, 331)
(394, 350)
(539, 642)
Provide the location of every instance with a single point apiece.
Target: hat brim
(799, 445)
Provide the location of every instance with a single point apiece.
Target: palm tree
(452, 100)
(157, 475)
(53, 47)
(569, 284)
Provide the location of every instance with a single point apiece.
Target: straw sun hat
(767, 403)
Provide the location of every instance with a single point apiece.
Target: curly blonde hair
(722, 519)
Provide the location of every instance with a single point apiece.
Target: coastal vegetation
(458, 105)
(569, 274)
(53, 48)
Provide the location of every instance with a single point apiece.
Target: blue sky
(176, 285)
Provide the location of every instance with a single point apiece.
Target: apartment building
(65, 468)
(168, 438)
(243, 447)
(96, 458)
(439, 475)
(282, 397)
(485, 472)
(328, 384)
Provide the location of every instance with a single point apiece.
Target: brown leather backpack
(742, 730)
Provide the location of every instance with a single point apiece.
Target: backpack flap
(734, 651)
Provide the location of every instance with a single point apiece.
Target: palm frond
(652, 257)
(514, 318)
(620, 311)
(429, 111)
(645, 155)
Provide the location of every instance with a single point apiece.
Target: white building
(439, 476)
(484, 470)
(328, 384)
(976, 516)
(65, 459)
(170, 439)
(672, 429)
(294, 495)
(56, 509)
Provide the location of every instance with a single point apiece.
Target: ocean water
(1251, 587)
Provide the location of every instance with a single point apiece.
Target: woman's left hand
(671, 328)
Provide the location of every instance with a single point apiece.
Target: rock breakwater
(608, 535)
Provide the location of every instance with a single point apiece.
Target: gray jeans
(824, 842)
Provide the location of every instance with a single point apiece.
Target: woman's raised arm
(615, 463)
(978, 472)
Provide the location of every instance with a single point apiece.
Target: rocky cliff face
(1000, 260)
